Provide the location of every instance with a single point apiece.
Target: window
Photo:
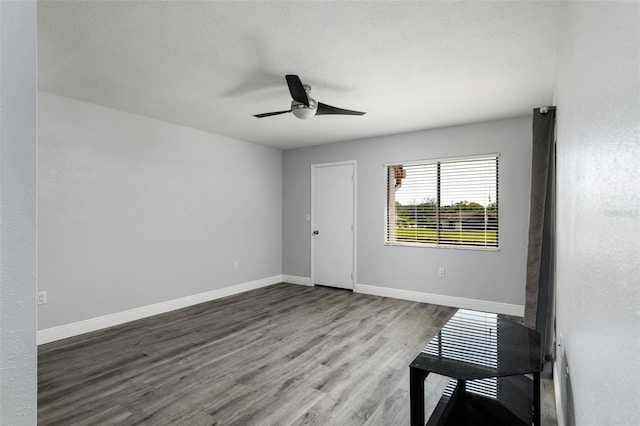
(452, 202)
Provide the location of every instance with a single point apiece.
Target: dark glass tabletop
(475, 345)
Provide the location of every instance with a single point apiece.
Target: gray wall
(483, 275)
(598, 214)
(18, 213)
(134, 211)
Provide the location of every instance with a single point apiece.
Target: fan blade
(297, 89)
(269, 114)
(324, 109)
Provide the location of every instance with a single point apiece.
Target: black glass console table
(494, 365)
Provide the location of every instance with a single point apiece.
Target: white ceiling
(212, 65)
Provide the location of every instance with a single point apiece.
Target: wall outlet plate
(42, 297)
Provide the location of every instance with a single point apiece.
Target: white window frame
(439, 244)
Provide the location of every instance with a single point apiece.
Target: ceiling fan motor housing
(303, 111)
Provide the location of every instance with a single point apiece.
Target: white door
(333, 225)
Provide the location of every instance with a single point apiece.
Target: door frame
(354, 234)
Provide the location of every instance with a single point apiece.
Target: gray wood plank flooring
(280, 355)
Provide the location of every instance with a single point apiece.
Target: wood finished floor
(281, 355)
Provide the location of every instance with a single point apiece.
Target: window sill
(441, 246)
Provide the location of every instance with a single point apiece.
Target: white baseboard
(292, 279)
(73, 329)
(558, 394)
(439, 299)
(69, 330)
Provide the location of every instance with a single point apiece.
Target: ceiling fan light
(302, 111)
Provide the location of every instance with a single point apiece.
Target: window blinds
(450, 202)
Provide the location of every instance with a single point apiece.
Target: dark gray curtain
(539, 310)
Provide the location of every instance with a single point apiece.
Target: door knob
(316, 232)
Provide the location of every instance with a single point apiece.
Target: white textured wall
(598, 214)
(134, 211)
(17, 213)
(496, 276)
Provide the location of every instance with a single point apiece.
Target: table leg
(536, 399)
(416, 395)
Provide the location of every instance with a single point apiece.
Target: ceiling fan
(303, 106)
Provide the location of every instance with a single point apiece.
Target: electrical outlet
(42, 297)
(236, 264)
(307, 217)
(441, 272)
